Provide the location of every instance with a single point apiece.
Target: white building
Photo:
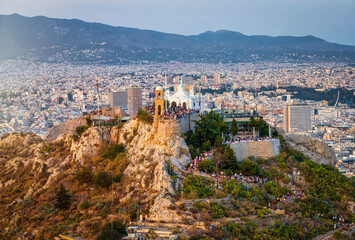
(183, 98)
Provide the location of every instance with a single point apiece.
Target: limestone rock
(313, 148)
(64, 128)
(162, 211)
(112, 112)
(90, 143)
(150, 153)
(18, 140)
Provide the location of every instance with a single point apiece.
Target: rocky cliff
(151, 151)
(316, 150)
(70, 125)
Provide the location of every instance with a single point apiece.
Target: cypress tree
(62, 198)
(234, 128)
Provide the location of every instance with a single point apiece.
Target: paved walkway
(329, 234)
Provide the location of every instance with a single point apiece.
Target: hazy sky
(332, 20)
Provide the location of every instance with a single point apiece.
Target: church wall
(263, 149)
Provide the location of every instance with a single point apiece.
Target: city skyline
(328, 20)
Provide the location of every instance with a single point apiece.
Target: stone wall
(263, 149)
(186, 123)
(167, 128)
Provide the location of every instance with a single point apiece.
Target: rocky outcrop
(313, 148)
(111, 112)
(70, 125)
(64, 128)
(19, 140)
(90, 143)
(151, 151)
(153, 162)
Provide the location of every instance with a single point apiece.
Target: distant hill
(48, 39)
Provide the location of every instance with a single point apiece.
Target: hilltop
(31, 171)
(63, 40)
(119, 172)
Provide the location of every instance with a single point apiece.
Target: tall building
(297, 118)
(204, 79)
(217, 78)
(118, 99)
(134, 99)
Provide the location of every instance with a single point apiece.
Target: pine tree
(62, 198)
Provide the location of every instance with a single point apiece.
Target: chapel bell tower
(158, 104)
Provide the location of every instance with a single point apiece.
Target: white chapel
(183, 98)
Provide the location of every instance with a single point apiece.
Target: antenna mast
(166, 100)
(336, 103)
(98, 100)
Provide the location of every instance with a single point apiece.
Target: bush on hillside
(144, 116)
(249, 168)
(80, 130)
(206, 165)
(62, 198)
(89, 121)
(103, 179)
(85, 205)
(198, 185)
(111, 151)
(84, 175)
(112, 231)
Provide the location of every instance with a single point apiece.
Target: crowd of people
(194, 162)
(249, 139)
(172, 112)
(249, 180)
(341, 223)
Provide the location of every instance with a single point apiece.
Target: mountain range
(50, 39)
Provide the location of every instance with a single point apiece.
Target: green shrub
(80, 130)
(201, 205)
(233, 187)
(84, 175)
(111, 151)
(85, 205)
(89, 121)
(117, 177)
(144, 116)
(112, 231)
(262, 212)
(62, 198)
(272, 188)
(198, 184)
(103, 179)
(206, 165)
(47, 148)
(338, 235)
(249, 168)
(217, 210)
